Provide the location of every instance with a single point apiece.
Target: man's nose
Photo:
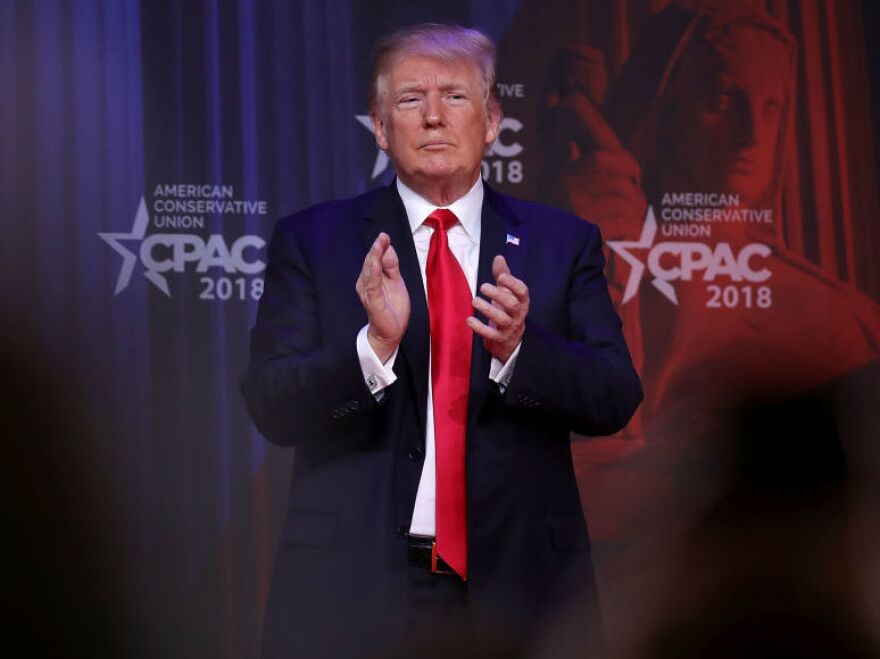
(433, 111)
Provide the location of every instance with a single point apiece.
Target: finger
(501, 296)
(495, 314)
(379, 245)
(483, 330)
(514, 285)
(377, 249)
(369, 268)
(390, 262)
(499, 266)
(373, 263)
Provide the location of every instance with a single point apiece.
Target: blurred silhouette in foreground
(783, 563)
(62, 592)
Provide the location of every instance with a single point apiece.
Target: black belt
(422, 552)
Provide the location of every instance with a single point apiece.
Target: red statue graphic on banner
(716, 305)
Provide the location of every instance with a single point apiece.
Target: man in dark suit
(433, 496)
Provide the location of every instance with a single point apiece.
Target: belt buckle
(438, 565)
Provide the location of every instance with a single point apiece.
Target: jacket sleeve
(582, 377)
(299, 383)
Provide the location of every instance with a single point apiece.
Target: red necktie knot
(442, 219)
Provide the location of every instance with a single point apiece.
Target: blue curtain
(102, 102)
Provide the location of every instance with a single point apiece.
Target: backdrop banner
(727, 149)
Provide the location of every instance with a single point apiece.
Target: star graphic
(129, 258)
(637, 268)
(382, 159)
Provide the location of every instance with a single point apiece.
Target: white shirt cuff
(376, 374)
(501, 372)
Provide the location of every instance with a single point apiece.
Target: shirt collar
(468, 209)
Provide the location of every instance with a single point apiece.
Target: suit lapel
(388, 214)
(501, 233)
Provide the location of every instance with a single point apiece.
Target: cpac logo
(673, 261)
(171, 252)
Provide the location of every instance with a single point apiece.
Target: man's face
(433, 122)
(726, 135)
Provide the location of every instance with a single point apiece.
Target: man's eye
(407, 101)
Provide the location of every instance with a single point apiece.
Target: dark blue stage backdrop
(726, 149)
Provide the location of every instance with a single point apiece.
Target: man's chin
(438, 172)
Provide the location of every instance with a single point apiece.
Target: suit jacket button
(414, 453)
(402, 531)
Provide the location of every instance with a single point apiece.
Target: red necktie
(449, 305)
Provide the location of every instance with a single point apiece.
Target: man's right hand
(384, 296)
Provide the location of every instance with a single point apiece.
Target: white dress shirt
(464, 241)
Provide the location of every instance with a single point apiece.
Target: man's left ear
(493, 123)
(379, 132)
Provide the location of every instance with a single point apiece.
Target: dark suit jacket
(339, 585)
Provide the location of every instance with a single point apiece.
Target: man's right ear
(379, 131)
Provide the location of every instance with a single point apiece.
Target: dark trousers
(439, 623)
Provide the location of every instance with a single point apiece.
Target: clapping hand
(383, 293)
(506, 311)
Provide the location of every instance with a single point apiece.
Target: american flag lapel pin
(512, 240)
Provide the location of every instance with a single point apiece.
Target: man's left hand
(506, 312)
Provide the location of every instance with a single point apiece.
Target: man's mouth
(435, 145)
